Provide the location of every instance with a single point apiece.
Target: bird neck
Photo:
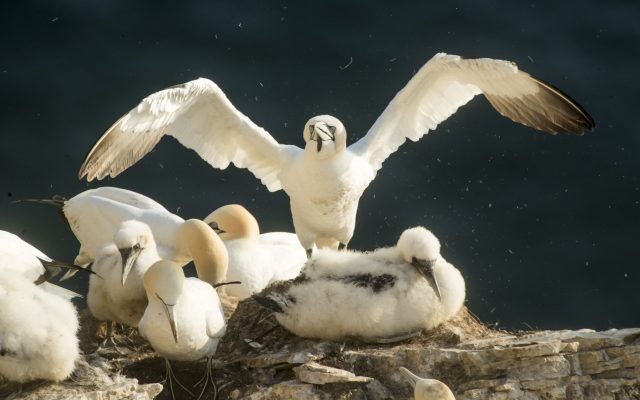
(206, 249)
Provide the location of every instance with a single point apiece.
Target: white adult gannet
(117, 293)
(95, 215)
(326, 179)
(427, 389)
(18, 257)
(184, 320)
(255, 259)
(37, 331)
(386, 293)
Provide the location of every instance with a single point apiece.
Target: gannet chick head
(421, 248)
(325, 136)
(427, 389)
(164, 282)
(233, 221)
(131, 239)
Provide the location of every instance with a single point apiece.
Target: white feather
(199, 320)
(326, 181)
(331, 300)
(37, 332)
(95, 215)
(18, 257)
(108, 299)
(276, 256)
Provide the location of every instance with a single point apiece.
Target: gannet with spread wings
(325, 180)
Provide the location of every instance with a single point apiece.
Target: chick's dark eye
(137, 246)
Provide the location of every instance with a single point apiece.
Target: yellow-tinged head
(233, 221)
(427, 389)
(164, 282)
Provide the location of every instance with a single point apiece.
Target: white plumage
(427, 389)
(184, 319)
(95, 215)
(18, 257)
(255, 259)
(117, 293)
(37, 331)
(326, 179)
(385, 293)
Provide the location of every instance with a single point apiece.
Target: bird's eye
(215, 227)
(137, 246)
(332, 129)
(311, 128)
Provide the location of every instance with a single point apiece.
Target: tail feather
(60, 291)
(268, 303)
(53, 268)
(274, 302)
(56, 200)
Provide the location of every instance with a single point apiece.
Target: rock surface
(261, 361)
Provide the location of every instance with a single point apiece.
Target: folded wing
(201, 117)
(447, 82)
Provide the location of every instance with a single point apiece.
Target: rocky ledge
(259, 360)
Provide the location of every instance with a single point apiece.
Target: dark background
(544, 228)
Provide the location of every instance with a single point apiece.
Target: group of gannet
(316, 288)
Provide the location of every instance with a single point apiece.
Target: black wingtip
(53, 267)
(56, 200)
(269, 303)
(586, 122)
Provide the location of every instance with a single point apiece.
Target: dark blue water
(544, 228)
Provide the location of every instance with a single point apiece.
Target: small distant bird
(95, 215)
(117, 293)
(326, 180)
(255, 259)
(427, 389)
(385, 294)
(184, 320)
(37, 331)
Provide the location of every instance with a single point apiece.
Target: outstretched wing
(201, 117)
(447, 82)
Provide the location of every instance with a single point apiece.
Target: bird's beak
(171, 316)
(425, 268)
(129, 256)
(216, 285)
(411, 377)
(320, 132)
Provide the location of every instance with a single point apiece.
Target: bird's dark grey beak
(170, 313)
(411, 377)
(215, 285)
(129, 256)
(320, 129)
(425, 268)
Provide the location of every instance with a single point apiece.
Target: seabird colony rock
(474, 361)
